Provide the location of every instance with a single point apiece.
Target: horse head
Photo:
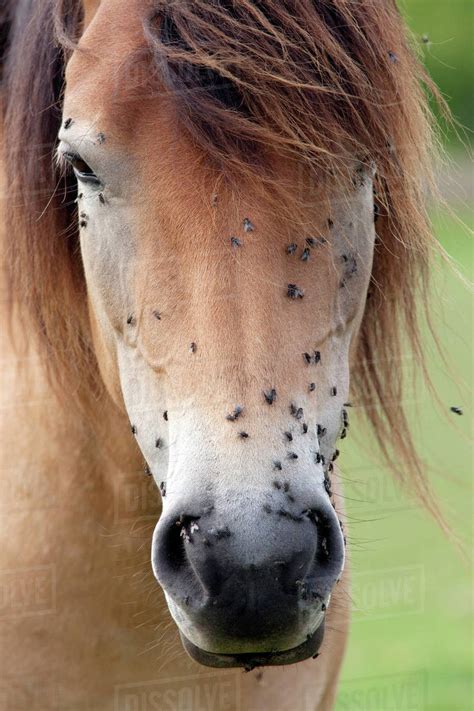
(227, 156)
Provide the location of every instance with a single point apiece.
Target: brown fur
(90, 8)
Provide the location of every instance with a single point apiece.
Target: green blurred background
(411, 637)
(444, 30)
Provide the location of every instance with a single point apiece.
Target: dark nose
(256, 574)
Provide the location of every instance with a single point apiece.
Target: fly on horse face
(225, 252)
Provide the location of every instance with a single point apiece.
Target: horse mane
(314, 81)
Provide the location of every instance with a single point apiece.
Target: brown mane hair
(316, 81)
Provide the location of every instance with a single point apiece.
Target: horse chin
(250, 661)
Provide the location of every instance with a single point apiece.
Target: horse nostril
(184, 556)
(172, 547)
(325, 540)
(172, 538)
(329, 557)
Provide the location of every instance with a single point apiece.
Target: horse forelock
(313, 81)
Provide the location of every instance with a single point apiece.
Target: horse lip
(249, 661)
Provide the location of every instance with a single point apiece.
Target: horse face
(228, 339)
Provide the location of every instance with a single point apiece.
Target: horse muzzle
(248, 584)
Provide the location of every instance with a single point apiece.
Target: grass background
(449, 27)
(411, 638)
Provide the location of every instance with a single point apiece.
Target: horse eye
(82, 170)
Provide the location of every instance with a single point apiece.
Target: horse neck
(55, 437)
